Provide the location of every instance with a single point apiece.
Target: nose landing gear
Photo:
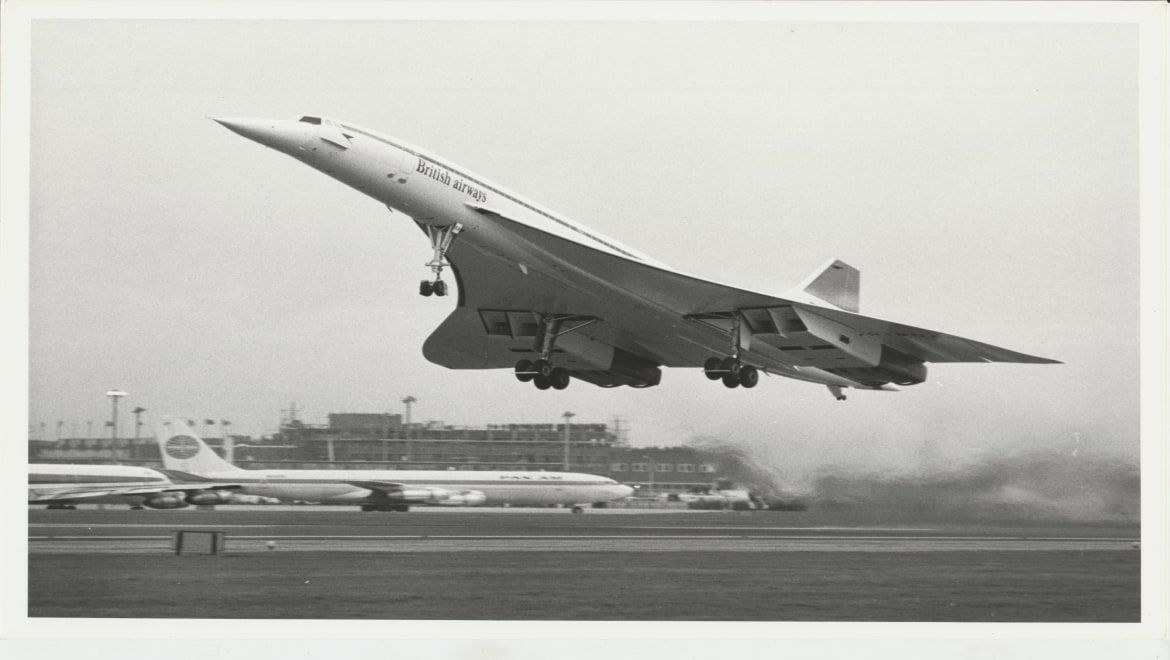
(441, 239)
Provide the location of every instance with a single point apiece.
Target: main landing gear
(541, 372)
(441, 239)
(732, 372)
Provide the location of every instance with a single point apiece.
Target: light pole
(408, 401)
(114, 396)
(650, 465)
(138, 410)
(229, 443)
(567, 415)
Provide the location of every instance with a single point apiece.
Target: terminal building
(384, 441)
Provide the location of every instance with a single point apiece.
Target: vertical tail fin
(182, 449)
(836, 283)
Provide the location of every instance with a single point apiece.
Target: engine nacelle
(899, 368)
(165, 502)
(209, 497)
(639, 370)
(464, 498)
(422, 495)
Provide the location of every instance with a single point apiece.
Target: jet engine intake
(637, 370)
(165, 502)
(901, 369)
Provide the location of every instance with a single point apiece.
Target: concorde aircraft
(555, 300)
(388, 490)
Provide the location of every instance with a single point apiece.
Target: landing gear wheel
(732, 366)
(541, 382)
(440, 288)
(730, 381)
(523, 367)
(578, 509)
(543, 368)
(713, 368)
(559, 378)
(425, 288)
(749, 376)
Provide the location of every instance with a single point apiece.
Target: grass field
(1058, 586)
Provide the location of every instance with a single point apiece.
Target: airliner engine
(464, 498)
(179, 501)
(442, 496)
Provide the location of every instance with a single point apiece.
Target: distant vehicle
(63, 486)
(583, 306)
(388, 490)
(736, 499)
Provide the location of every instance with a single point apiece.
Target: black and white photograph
(394, 319)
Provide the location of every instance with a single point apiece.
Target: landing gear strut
(731, 370)
(441, 239)
(541, 372)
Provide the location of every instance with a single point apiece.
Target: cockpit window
(311, 120)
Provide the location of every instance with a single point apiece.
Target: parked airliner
(62, 486)
(388, 490)
(572, 303)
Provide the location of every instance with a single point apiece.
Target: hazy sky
(982, 176)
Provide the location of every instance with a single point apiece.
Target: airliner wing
(376, 486)
(44, 495)
(494, 323)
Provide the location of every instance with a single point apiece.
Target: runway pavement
(290, 529)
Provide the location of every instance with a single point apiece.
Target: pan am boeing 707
(555, 300)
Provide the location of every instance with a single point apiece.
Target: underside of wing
(648, 316)
(377, 486)
(89, 493)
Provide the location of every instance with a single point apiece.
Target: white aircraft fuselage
(511, 488)
(616, 315)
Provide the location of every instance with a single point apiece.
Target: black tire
(524, 366)
(749, 376)
(541, 382)
(559, 378)
(425, 289)
(440, 288)
(543, 368)
(732, 366)
(713, 368)
(730, 381)
(578, 509)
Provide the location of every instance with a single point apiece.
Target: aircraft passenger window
(311, 120)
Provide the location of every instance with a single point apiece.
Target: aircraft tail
(836, 283)
(182, 449)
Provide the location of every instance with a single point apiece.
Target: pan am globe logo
(182, 447)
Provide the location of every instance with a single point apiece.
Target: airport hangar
(384, 441)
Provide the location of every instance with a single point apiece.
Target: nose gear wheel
(441, 239)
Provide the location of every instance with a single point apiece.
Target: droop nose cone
(624, 490)
(278, 134)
